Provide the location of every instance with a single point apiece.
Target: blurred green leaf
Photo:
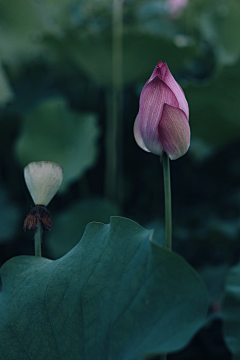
(214, 25)
(70, 224)
(214, 110)
(59, 12)
(141, 53)
(21, 25)
(5, 90)
(9, 216)
(220, 25)
(116, 295)
(189, 19)
(153, 17)
(53, 132)
(231, 311)
(213, 276)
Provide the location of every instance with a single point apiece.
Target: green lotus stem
(168, 210)
(38, 240)
(114, 108)
(168, 202)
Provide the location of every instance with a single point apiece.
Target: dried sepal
(36, 214)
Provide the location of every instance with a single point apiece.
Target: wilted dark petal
(32, 221)
(153, 97)
(137, 135)
(176, 89)
(36, 214)
(174, 132)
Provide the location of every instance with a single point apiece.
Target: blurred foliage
(76, 216)
(140, 51)
(51, 131)
(22, 24)
(5, 89)
(231, 311)
(215, 104)
(9, 216)
(220, 26)
(55, 71)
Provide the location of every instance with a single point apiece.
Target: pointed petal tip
(160, 63)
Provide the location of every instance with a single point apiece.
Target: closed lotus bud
(162, 123)
(43, 179)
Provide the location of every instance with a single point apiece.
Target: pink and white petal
(152, 100)
(174, 132)
(176, 89)
(137, 136)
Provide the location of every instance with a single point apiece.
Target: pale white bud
(43, 179)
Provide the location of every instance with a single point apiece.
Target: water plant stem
(168, 202)
(168, 209)
(38, 240)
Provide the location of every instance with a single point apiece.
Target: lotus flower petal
(152, 100)
(176, 89)
(137, 135)
(174, 132)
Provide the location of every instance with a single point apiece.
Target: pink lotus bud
(162, 121)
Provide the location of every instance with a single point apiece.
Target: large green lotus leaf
(116, 295)
(76, 216)
(53, 132)
(141, 53)
(231, 311)
(214, 108)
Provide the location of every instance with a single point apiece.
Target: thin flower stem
(168, 210)
(38, 240)
(168, 202)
